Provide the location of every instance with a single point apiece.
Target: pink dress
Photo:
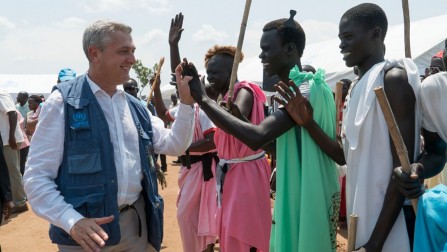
(197, 200)
(245, 216)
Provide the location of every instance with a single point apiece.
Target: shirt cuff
(68, 220)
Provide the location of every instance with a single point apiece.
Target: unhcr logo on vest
(80, 120)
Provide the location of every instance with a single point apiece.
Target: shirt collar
(95, 88)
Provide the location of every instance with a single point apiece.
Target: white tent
(427, 38)
(43, 84)
(31, 83)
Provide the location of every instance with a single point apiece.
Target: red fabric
(439, 54)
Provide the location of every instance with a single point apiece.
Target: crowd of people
(86, 158)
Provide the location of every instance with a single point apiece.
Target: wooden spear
(238, 51)
(157, 75)
(399, 144)
(406, 13)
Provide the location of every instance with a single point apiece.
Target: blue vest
(87, 177)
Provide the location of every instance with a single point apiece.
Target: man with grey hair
(90, 171)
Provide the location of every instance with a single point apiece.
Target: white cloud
(70, 22)
(208, 33)
(103, 5)
(153, 36)
(4, 22)
(51, 48)
(23, 58)
(152, 6)
(157, 7)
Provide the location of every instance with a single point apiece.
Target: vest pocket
(84, 163)
(85, 157)
(89, 201)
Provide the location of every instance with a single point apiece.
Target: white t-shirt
(7, 105)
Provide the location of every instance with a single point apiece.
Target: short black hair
(369, 15)
(36, 98)
(294, 35)
(133, 82)
(348, 81)
(223, 50)
(24, 93)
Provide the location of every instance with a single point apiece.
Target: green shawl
(307, 188)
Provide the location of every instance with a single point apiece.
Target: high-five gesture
(298, 107)
(195, 85)
(183, 86)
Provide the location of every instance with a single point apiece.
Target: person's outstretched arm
(254, 136)
(175, 34)
(160, 108)
(300, 109)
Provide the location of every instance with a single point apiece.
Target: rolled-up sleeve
(174, 141)
(44, 159)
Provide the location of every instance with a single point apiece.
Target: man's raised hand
(175, 32)
(294, 102)
(183, 86)
(196, 88)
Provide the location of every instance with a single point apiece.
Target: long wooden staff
(401, 149)
(157, 75)
(352, 232)
(338, 102)
(238, 51)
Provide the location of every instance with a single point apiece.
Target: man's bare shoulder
(396, 83)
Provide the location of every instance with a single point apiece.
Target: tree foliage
(144, 74)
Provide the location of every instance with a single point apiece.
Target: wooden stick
(338, 103)
(157, 74)
(352, 232)
(401, 149)
(238, 51)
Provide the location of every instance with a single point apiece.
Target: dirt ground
(28, 233)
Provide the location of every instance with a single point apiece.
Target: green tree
(144, 74)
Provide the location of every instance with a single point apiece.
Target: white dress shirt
(46, 152)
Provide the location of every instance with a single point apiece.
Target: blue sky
(40, 37)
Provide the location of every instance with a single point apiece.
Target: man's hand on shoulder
(89, 235)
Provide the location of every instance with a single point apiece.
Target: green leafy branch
(144, 74)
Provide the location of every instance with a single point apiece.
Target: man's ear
(92, 53)
(290, 47)
(377, 33)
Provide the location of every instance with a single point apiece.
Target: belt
(206, 159)
(124, 208)
(222, 168)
